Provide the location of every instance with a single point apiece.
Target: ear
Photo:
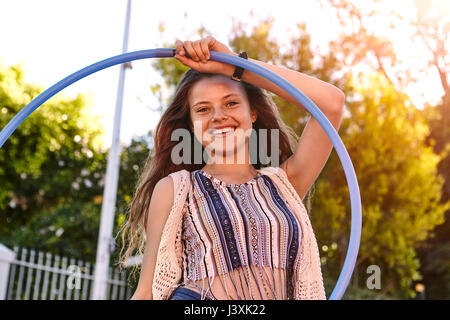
(253, 114)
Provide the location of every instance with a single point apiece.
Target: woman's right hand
(200, 57)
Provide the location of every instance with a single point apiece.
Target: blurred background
(391, 59)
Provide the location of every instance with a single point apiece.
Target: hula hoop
(355, 199)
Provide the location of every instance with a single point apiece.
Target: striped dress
(240, 241)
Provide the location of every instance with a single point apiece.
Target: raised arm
(326, 96)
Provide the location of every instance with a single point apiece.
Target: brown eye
(232, 103)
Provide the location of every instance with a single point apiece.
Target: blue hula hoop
(355, 199)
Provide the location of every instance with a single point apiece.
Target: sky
(54, 38)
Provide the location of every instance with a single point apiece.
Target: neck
(230, 170)
(230, 165)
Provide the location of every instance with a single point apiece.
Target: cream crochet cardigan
(169, 262)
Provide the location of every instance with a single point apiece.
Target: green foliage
(52, 171)
(436, 269)
(132, 159)
(398, 181)
(69, 229)
(52, 158)
(435, 251)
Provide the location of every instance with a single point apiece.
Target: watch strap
(238, 72)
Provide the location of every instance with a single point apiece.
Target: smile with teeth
(222, 131)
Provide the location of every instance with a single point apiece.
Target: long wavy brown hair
(159, 164)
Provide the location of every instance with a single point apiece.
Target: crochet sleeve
(168, 269)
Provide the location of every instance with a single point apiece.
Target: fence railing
(35, 275)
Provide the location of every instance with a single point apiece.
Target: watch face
(243, 54)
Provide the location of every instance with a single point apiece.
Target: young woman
(234, 228)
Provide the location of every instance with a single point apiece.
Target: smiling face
(220, 102)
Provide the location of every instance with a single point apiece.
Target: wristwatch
(237, 75)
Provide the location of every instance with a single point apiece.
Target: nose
(219, 115)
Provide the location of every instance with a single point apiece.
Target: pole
(105, 243)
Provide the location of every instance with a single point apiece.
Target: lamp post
(105, 240)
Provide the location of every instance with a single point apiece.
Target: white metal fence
(35, 275)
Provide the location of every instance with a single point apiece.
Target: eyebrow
(223, 98)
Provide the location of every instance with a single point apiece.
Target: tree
(429, 29)
(71, 227)
(432, 28)
(52, 168)
(52, 158)
(398, 180)
(435, 251)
